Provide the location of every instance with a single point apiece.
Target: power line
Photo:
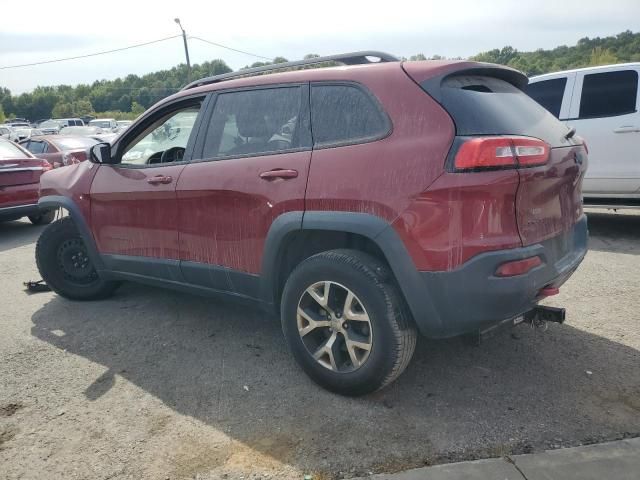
(230, 48)
(90, 54)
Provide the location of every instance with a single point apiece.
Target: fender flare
(374, 228)
(57, 201)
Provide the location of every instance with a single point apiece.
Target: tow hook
(541, 315)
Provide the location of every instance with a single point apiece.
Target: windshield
(100, 123)
(49, 124)
(74, 143)
(9, 150)
(80, 130)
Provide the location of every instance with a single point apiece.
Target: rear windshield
(72, 143)
(481, 105)
(100, 123)
(8, 150)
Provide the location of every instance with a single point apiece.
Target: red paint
(20, 179)
(550, 196)
(130, 216)
(383, 177)
(549, 292)
(459, 216)
(227, 208)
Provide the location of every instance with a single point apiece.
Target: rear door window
(609, 94)
(548, 93)
(257, 122)
(345, 114)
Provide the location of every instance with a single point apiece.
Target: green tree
(137, 109)
(2, 117)
(62, 110)
(82, 107)
(602, 56)
(419, 56)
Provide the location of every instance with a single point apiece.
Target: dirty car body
(444, 175)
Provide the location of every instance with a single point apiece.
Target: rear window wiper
(570, 133)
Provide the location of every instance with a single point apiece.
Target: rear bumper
(472, 298)
(19, 201)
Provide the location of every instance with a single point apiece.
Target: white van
(602, 104)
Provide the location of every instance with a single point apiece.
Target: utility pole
(186, 49)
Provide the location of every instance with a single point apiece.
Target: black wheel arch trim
(370, 226)
(56, 201)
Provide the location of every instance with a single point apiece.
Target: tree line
(126, 98)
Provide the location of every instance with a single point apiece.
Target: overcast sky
(51, 30)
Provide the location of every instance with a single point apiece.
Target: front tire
(43, 218)
(346, 323)
(64, 263)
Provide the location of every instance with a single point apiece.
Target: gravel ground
(162, 385)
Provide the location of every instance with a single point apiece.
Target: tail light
(46, 166)
(500, 152)
(69, 159)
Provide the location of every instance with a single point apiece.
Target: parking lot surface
(157, 384)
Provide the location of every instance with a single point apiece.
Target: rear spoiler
(432, 84)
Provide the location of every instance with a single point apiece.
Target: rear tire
(43, 218)
(346, 323)
(64, 264)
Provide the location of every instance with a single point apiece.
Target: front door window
(165, 141)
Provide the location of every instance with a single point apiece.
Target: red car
(363, 204)
(19, 184)
(60, 150)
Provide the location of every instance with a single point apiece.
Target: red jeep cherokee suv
(363, 203)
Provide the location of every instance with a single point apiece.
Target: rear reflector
(492, 152)
(518, 267)
(549, 292)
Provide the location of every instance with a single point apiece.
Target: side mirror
(101, 153)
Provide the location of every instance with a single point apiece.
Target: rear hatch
(486, 103)
(21, 171)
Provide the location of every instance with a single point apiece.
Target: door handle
(278, 173)
(627, 129)
(160, 179)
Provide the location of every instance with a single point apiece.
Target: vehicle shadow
(523, 389)
(614, 232)
(17, 233)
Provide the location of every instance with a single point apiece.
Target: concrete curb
(618, 460)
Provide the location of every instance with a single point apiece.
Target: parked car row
(20, 130)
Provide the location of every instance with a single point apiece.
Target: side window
(165, 140)
(548, 93)
(345, 114)
(608, 94)
(256, 122)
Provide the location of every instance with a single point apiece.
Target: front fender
(59, 201)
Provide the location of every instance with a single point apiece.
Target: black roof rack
(354, 58)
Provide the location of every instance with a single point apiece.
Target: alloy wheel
(334, 326)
